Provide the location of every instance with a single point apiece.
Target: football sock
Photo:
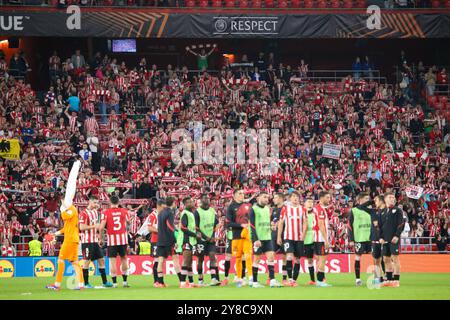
(103, 275)
(86, 276)
(200, 273)
(311, 272)
(296, 271)
(396, 277)
(284, 272)
(255, 274)
(190, 276)
(320, 276)
(289, 268)
(184, 272)
(243, 269)
(179, 275)
(114, 279)
(271, 267)
(389, 276)
(155, 271)
(357, 269)
(227, 268)
(60, 272)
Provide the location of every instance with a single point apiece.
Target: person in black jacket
(166, 240)
(391, 227)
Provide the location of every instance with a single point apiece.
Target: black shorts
(390, 249)
(204, 248)
(154, 248)
(363, 247)
(114, 251)
(277, 248)
(319, 249)
(164, 251)
(266, 246)
(91, 251)
(376, 250)
(295, 247)
(309, 250)
(228, 246)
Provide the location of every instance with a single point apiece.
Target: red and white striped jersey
(116, 226)
(153, 222)
(320, 215)
(293, 222)
(89, 218)
(91, 125)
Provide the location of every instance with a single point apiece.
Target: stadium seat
(269, 3)
(295, 3)
(244, 3)
(447, 4)
(322, 4)
(422, 248)
(436, 4)
(256, 3)
(335, 4)
(108, 3)
(204, 3)
(360, 4)
(348, 4)
(190, 3)
(309, 4)
(229, 4)
(282, 4)
(217, 3)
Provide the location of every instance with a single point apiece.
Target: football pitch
(413, 286)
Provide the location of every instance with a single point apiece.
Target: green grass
(413, 286)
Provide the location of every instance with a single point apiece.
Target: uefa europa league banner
(154, 23)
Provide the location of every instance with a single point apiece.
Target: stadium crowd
(118, 120)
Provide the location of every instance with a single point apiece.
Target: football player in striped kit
(290, 225)
(116, 221)
(89, 225)
(321, 243)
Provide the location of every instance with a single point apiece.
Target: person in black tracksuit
(166, 240)
(376, 214)
(391, 227)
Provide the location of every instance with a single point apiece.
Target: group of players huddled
(291, 226)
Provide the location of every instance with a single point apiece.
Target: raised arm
(71, 186)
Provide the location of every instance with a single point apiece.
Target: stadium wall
(142, 265)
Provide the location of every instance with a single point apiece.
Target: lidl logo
(6, 269)
(44, 268)
(91, 267)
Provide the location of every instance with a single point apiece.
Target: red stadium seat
(422, 248)
(204, 3)
(436, 4)
(190, 3)
(229, 3)
(335, 4)
(108, 2)
(348, 4)
(322, 4)
(244, 3)
(309, 4)
(295, 3)
(256, 3)
(217, 3)
(282, 4)
(269, 3)
(360, 4)
(447, 4)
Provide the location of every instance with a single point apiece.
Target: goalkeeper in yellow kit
(69, 248)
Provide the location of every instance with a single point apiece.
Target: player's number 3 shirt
(116, 226)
